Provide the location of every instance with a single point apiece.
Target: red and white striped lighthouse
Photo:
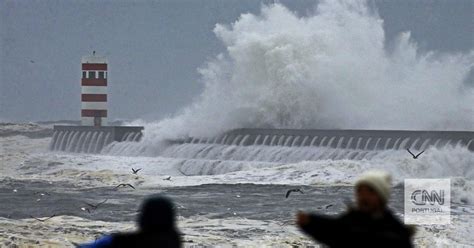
(94, 91)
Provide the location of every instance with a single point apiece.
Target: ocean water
(243, 206)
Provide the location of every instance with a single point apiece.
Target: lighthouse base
(91, 139)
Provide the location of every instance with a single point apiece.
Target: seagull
(167, 179)
(293, 190)
(75, 244)
(86, 209)
(32, 61)
(136, 171)
(42, 193)
(326, 206)
(124, 185)
(95, 206)
(43, 220)
(415, 156)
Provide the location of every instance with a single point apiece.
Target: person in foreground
(156, 224)
(369, 224)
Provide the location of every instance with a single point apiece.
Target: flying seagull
(43, 220)
(168, 178)
(125, 185)
(293, 190)
(86, 209)
(42, 193)
(326, 206)
(136, 171)
(415, 156)
(95, 206)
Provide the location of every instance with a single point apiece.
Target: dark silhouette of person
(156, 228)
(369, 224)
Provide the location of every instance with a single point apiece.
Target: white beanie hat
(380, 181)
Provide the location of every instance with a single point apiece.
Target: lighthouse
(94, 91)
(94, 133)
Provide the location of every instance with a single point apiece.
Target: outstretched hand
(302, 218)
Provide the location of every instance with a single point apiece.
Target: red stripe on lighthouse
(97, 67)
(94, 97)
(94, 82)
(93, 113)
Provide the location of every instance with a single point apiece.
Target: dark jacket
(358, 229)
(169, 239)
(157, 229)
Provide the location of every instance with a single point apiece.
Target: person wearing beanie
(156, 228)
(369, 224)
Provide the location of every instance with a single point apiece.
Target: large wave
(330, 69)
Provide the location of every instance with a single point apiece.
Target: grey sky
(155, 47)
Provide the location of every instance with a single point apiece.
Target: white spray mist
(327, 70)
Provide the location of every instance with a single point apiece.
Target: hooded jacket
(156, 227)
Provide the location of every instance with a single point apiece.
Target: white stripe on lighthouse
(94, 105)
(94, 89)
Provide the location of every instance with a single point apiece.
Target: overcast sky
(155, 47)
